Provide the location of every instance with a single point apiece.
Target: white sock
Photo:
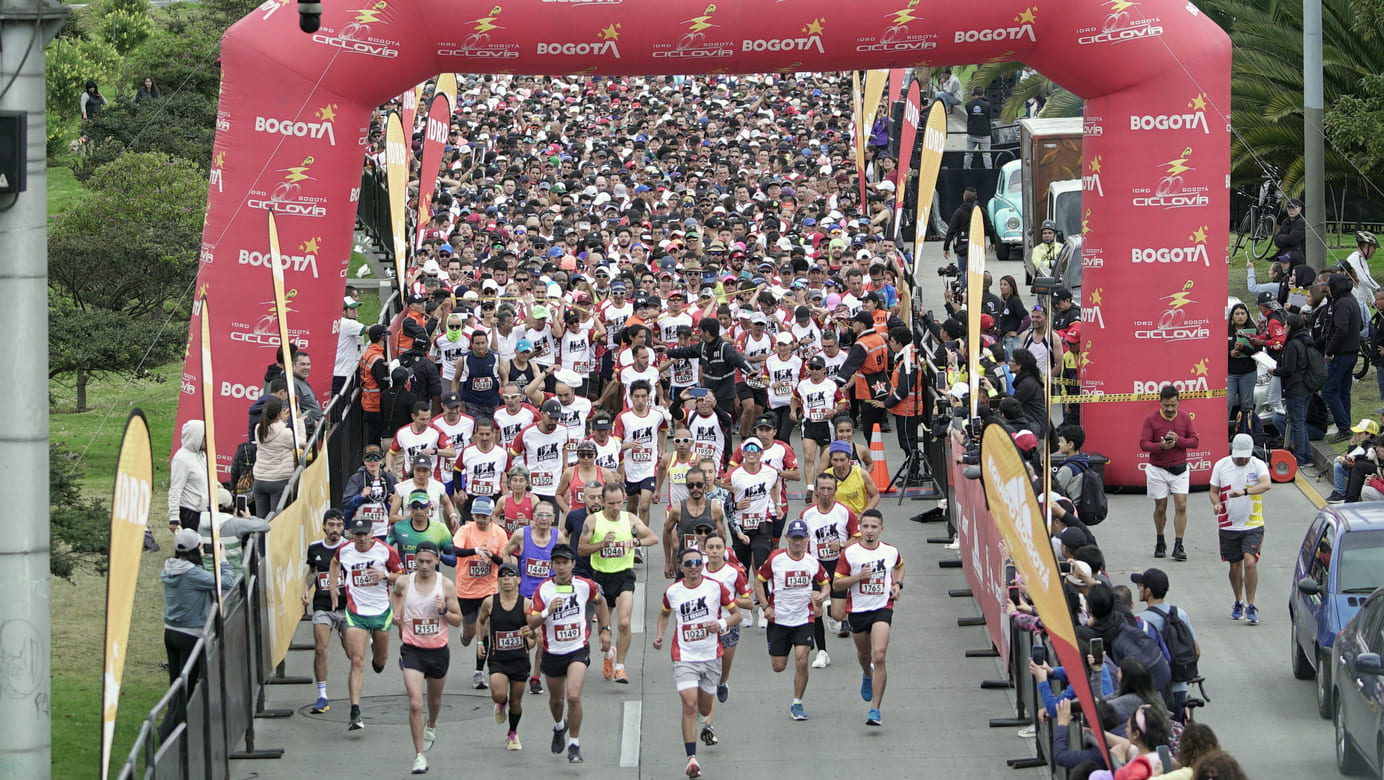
(560, 725)
(573, 742)
(619, 667)
(322, 690)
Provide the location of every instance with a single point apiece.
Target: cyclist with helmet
(1046, 252)
(1358, 267)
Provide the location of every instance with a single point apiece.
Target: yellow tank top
(615, 558)
(851, 490)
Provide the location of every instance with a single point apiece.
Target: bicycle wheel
(1241, 232)
(1261, 241)
(1362, 363)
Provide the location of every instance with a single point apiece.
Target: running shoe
(420, 764)
(748, 622)
(535, 687)
(512, 742)
(621, 678)
(763, 621)
(1237, 611)
(872, 717)
(1251, 615)
(709, 735)
(321, 705)
(499, 712)
(478, 680)
(693, 768)
(1027, 732)
(722, 693)
(574, 754)
(797, 711)
(429, 737)
(1335, 498)
(1179, 554)
(377, 667)
(822, 660)
(867, 688)
(356, 723)
(1160, 549)
(608, 664)
(559, 738)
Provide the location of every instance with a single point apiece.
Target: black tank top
(522, 377)
(505, 638)
(687, 525)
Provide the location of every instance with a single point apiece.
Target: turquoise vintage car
(1005, 210)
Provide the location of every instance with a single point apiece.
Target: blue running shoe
(872, 719)
(1237, 611)
(323, 704)
(797, 712)
(1251, 615)
(867, 688)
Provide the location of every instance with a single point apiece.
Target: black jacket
(1291, 239)
(959, 226)
(1028, 390)
(1376, 339)
(718, 361)
(1062, 319)
(1292, 367)
(978, 117)
(1342, 330)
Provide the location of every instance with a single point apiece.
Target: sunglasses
(586, 454)
(695, 485)
(373, 458)
(512, 396)
(695, 563)
(682, 440)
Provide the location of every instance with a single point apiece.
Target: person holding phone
(233, 528)
(1167, 437)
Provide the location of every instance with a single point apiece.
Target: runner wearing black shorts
(423, 604)
(504, 618)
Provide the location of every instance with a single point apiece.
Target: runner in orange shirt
(478, 545)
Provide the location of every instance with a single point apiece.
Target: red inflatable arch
(1156, 77)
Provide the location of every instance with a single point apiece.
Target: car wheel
(1001, 251)
(1324, 684)
(1348, 759)
(1302, 665)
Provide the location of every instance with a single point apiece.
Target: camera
(242, 503)
(949, 270)
(309, 15)
(952, 344)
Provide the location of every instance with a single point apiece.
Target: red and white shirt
(568, 624)
(818, 400)
(783, 377)
(641, 461)
(732, 575)
(790, 582)
(829, 532)
(483, 471)
(411, 444)
(543, 455)
(363, 597)
(630, 375)
(509, 425)
(458, 436)
(759, 488)
(708, 437)
(696, 633)
(873, 592)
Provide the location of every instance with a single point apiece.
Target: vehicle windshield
(1016, 182)
(1067, 213)
(1361, 567)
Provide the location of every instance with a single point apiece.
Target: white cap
(959, 390)
(784, 338)
(863, 254)
(1242, 446)
(432, 268)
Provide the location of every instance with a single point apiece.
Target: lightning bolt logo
(1180, 298)
(1180, 166)
(299, 172)
(904, 15)
(371, 14)
(486, 23)
(1119, 6)
(700, 23)
(1086, 223)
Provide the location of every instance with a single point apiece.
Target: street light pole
(1314, 171)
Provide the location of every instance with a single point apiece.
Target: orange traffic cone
(879, 470)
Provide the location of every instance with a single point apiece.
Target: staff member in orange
(868, 363)
(414, 325)
(908, 401)
(479, 545)
(374, 378)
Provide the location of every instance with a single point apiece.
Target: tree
(1353, 122)
(95, 342)
(181, 124)
(79, 527)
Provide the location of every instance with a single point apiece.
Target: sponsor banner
(981, 559)
(281, 314)
(895, 90)
(975, 292)
(434, 139)
(874, 90)
(929, 165)
(134, 488)
(209, 420)
(286, 545)
(1012, 503)
(396, 148)
(410, 100)
(1118, 22)
(857, 103)
(908, 135)
(447, 85)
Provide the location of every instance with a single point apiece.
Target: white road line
(629, 733)
(637, 614)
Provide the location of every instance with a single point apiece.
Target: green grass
(63, 190)
(79, 626)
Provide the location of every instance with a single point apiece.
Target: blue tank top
(482, 385)
(535, 563)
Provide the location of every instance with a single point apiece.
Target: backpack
(1091, 506)
(1133, 642)
(1314, 374)
(1182, 648)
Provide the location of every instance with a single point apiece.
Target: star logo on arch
(1198, 103)
(814, 27)
(1096, 296)
(311, 246)
(1095, 164)
(327, 113)
(1198, 235)
(1026, 16)
(1199, 368)
(611, 33)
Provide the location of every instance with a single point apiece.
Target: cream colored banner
(396, 151)
(209, 420)
(290, 533)
(281, 311)
(874, 90)
(975, 291)
(929, 165)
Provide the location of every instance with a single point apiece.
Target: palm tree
(1059, 103)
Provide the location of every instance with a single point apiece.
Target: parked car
(1340, 564)
(1357, 700)
(1006, 208)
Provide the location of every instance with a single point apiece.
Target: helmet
(1366, 237)
(1048, 225)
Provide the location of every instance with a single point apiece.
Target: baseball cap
(796, 530)
(1366, 425)
(187, 540)
(417, 298)
(1080, 571)
(1265, 298)
(802, 313)
(959, 390)
(360, 524)
(523, 345)
(751, 445)
(783, 338)
(1156, 580)
(816, 361)
(350, 303)
(766, 422)
(1074, 538)
(378, 330)
(1062, 294)
(758, 318)
(451, 399)
(483, 505)
(864, 318)
(564, 551)
(552, 407)
(1242, 446)
(602, 424)
(508, 570)
(421, 461)
(586, 446)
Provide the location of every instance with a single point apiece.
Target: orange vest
(876, 361)
(370, 389)
(881, 321)
(914, 404)
(406, 342)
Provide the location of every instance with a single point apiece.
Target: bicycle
(1256, 228)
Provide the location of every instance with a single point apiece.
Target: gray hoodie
(187, 473)
(188, 591)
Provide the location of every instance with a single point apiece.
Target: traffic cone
(879, 470)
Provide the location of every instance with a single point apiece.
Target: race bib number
(409, 563)
(582, 367)
(567, 632)
(482, 383)
(818, 415)
(481, 489)
(705, 450)
(613, 551)
(538, 569)
(872, 587)
(379, 518)
(750, 522)
(689, 541)
(756, 381)
(427, 626)
(324, 580)
(682, 377)
(797, 579)
(360, 578)
(831, 549)
(480, 568)
(782, 388)
(642, 456)
(542, 479)
(508, 640)
(695, 632)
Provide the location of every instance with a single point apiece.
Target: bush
(79, 527)
(181, 124)
(178, 62)
(71, 63)
(127, 30)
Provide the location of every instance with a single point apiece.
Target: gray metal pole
(1314, 171)
(26, 26)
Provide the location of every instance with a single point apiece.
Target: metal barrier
(372, 211)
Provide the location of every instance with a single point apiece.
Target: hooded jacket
(1343, 328)
(1292, 368)
(188, 590)
(187, 472)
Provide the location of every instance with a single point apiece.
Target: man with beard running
(325, 619)
(367, 567)
(831, 526)
(793, 585)
(872, 574)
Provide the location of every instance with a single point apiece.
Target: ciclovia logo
(268, 7)
(223, 121)
(477, 43)
(897, 35)
(693, 45)
(305, 260)
(1119, 26)
(1092, 256)
(1090, 181)
(1194, 118)
(606, 43)
(293, 128)
(810, 40)
(1023, 28)
(218, 164)
(264, 331)
(1193, 252)
(1091, 313)
(1092, 126)
(1174, 324)
(1171, 191)
(287, 196)
(356, 36)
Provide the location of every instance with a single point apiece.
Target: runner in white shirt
(443, 511)
(449, 345)
(783, 370)
(540, 448)
(831, 526)
(832, 354)
(609, 455)
(514, 416)
(793, 585)
(577, 348)
(668, 323)
(871, 573)
(709, 429)
(806, 333)
(641, 369)
(732, 575)
(576, 408)
(417, 439)
(643, 434)
(458, 428)
(683, 373)
(481, 467)
(702, 609)
(815, 400)
(368, 567)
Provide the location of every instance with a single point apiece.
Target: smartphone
(700, 392)
(1040, 654)
(1165, 756)
(242, 503)
(1065, 567)
(1098, 649)
(1014, 597)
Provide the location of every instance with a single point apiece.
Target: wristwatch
(603, 628)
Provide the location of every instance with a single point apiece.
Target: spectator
(1292, 371)
(1218, 765)
(147, 90)
(1028, 391)
(1359, 453)
(347, 343)
(278, 388)
(308, 405)
(188, 592)
(92, 101)
(1341, 348)
(276, 455)
(977, 126)
(1153, 589)
(1167, 436)
(1242, 371)
(1291, 238)
(1148, 730)
(949, 89)
(1197, 741)
(1013, 319)
(187, 478)
(233, 527)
